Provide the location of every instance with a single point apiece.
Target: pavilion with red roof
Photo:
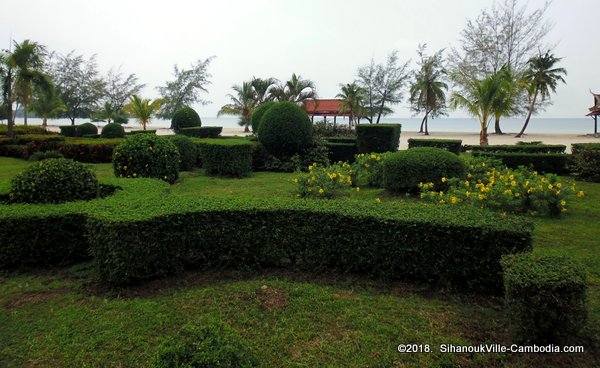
(324, 108)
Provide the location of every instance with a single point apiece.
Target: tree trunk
(45, 123)
(381, 107)
(497, 129)
(25, 113)
(483, 134)
(531, 107)
(9, 103)
(426, 121)
(422, 123)
(72, 120)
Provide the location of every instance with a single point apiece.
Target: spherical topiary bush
(403, 171)
(185, 118)
(86, 129)
(54, 180)
(146, 155)
(113, 130)
(285, 129)
(188, 153)
(258, 114)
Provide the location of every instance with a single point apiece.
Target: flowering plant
(324, 181)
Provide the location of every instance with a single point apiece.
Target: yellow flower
(310, 168)
(517, 194)
(453, 200)
(321, 191)
(511, 177)
(373, 157)
(366, 165)
(442, 201)
(468, 194)
(125, 167)
(134, 175)
(444, 180)
(467, 183)
(563, 203)
(165, 177)
(558, 185)
(469, 174)
(333, 176)
(377, 200)
(580, 194)
(481, 197)
(508, 192)
(296, 181)
(564, 210)
(513, 183)
(357, 189)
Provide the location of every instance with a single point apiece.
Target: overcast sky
(325, 41)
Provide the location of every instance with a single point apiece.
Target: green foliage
(587, 162)
(226, 157)
(68, 130)
(285, 130)
(577, 147)
(344, 152)
(86, 129)
(146, 155)
(202, 132)
(89, 150)
(113, 130)
(258, 114)
(508, 190)
(188, 153)
(40, 156)
(324, 181)
(23, 129)
(378, 137)
(185, 118)
(520, 148)
(14, 150)
(452, 145)
(54, 181)
(367, 170)
(545, 297)
(147, 131)
(404, 171)
(555, 163)
(326, 129)
(318, 153)
(208, 343)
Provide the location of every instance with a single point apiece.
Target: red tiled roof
(321, 107)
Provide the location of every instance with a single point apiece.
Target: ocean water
(510, 125)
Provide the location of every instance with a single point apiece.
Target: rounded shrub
(54, 180)
(86, 129)
(403, 171)
(212, 344)
(188, 153)
(185, 118)
(146, 155)
(258, 114)
(285, 129)
(113, 130)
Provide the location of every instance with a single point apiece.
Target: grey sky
(325, 41)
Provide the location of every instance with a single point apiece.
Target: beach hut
(324, 108)
(595, 111)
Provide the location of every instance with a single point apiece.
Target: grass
(62, 318)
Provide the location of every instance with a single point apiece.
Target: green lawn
(64, 318)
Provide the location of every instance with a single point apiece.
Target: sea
(508, 125)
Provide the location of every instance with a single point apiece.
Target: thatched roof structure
(595, 110)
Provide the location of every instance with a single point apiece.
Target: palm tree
(21, 73)
(427, 90)
(47, 105)
(482, 98)
(143, 109)
(541, 78)
(507, 101)
(295, 90)
(352, 100)
(262, 88)
(243, 104)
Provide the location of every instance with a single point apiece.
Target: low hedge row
(68, 130)
(555, 163)
(452, 145)
(23, 129)
(142, 232)
(586, 161)
(577, 147)
(545, 297)
(341, 139)
(202, 132)
(13, 150)
(341, 151)
(520, 148)
(226, 157)
(378, 137)
(149, 131)
(92, 152)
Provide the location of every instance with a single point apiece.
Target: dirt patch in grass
(272, 298)
(34, 297)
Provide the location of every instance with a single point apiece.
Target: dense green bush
(147, 155)
(341, 140)
(555, 163)
(367, 169)
(316, 153)
(147, 131)
(185, 118)
(378, 137)
(86, 129)
(577, 147)
(285, 130)
(326, 129)
(89, 150)
(14, 150)
(205, 344)
(113, 130)
(24, 129)
(403, 171)
(54, 181)
(188, 153)
(545, 297)
(341, 151)
(452, 145)
(202, 132)
(226, 157)
(38, 140)
(258, 114)
(587, 164)
(520, 148)
(69, 130)
(41, 156)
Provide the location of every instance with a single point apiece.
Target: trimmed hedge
(404, 170)
(258, 114)
(113, 130)
(577, 147)
(555, 163)
(202, 132)
(185, 118)
(24, 129)
(378, 138)
(148, 131)
(341, 151)
(285, 130)
(143, 232)
(69, 130)
(89, 150)
(587, 162)
(188, 153)
(545, 297)
(520, 148)
(341, 140)
(13, 150)
(86, 129)
(147, 156)
(452, 145)
(226, 157)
